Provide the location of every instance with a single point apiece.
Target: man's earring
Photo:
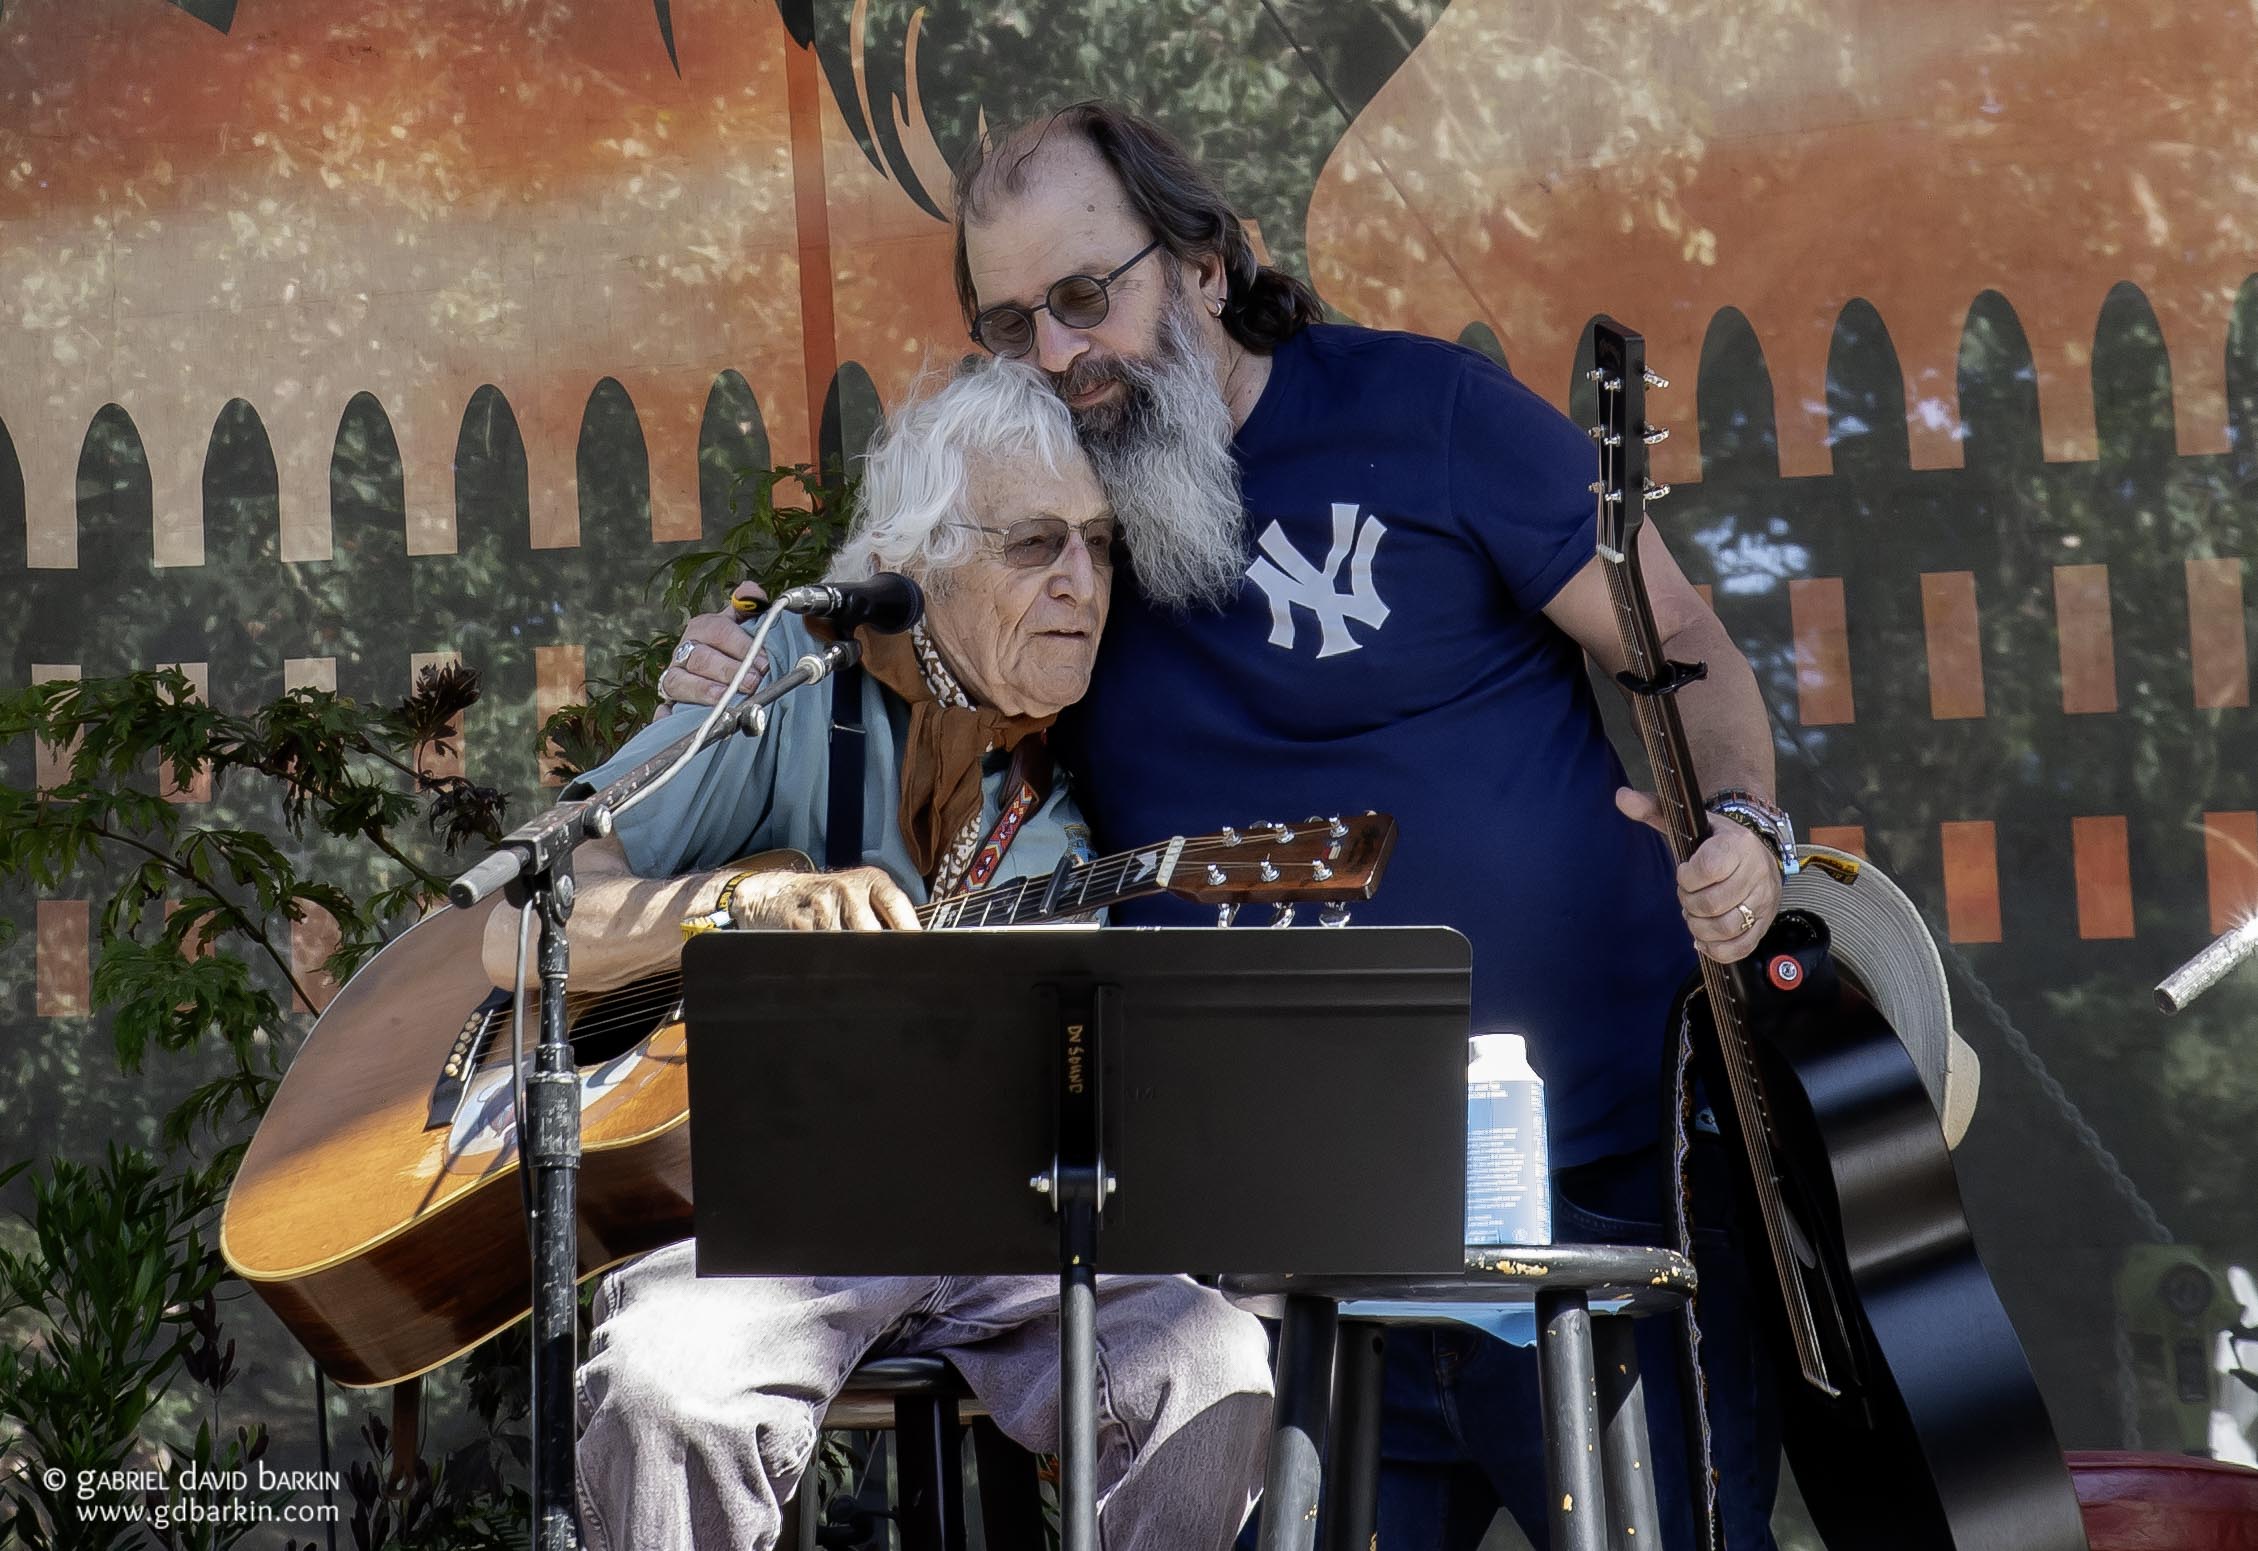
(1215, 307)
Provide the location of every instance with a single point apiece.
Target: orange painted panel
(2105, 882)
(63, 971)
(2088, 643)
(1843, 837)
(195, 945)
(1955, 637)
(309, 673)
(2230, 859)
(1822, 652)
(560, 678)
(51, 766)
(803, 91)
(431, 762)
(2218, 639)
(1971, 880)
(200, 788)
(313, 938)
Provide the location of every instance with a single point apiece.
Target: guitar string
(645, 1001)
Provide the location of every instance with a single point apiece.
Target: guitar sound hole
(615, 1022)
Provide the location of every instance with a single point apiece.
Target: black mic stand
(533, 864)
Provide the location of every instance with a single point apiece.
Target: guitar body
(1939, 1438)
(388, 1245)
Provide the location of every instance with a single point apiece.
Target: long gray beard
(1163, 457)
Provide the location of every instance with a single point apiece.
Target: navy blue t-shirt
(1410, 510)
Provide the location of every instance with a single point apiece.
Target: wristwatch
(1762, 819)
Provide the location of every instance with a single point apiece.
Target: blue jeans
(1460, 1435)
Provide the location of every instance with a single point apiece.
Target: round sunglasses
(1039, 541)
(1078, 301)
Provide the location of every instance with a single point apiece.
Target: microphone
(2203, 971)
(887, 603)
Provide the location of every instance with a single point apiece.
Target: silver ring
(682, 652)
(1748, 917)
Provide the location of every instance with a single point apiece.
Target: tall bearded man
(1363, 576)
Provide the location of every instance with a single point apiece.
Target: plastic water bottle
(1508, 1195)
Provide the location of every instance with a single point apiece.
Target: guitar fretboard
(1071, 889)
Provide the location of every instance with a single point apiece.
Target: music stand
(1212, 1101)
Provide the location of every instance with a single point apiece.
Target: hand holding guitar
(862, 899)
(1729, 888)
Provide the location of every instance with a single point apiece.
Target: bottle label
(1508, 1197)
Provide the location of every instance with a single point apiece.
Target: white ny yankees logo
(1292, 579)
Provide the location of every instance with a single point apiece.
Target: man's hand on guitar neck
(1730, 870)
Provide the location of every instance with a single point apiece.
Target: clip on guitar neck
(1673, 677)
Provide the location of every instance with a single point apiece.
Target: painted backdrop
(339, 338)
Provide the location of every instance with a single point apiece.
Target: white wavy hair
(916, 481)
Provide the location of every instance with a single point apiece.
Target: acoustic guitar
(378, 1209)
(1911, 1417)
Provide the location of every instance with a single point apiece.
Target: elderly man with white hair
(700, 1399)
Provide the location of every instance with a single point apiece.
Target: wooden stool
(925, 1403)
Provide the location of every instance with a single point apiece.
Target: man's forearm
(1727, 731)
(623, 927)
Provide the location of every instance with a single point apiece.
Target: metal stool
(1597, 1457)
(925, 1403)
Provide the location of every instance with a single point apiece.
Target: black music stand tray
(989, 1102)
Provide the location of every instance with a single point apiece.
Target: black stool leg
(1297, 1431)
(1011, 1496)
(1634, 1519)
(929, 1456)
(1352, 1469)
(1577, 1502)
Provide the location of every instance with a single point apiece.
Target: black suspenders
(842, 827)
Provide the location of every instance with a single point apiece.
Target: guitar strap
(1693, 1385)
(842, 825)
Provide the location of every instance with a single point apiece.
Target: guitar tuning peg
(1595, 375)
(1284, 917)
(1596, 486)
(1333, 913)
(1653, 491)
(1227, 915)
(1653, 380)
(1595, 432)
(1269, 872)
(1655, 434)
(1215, 874)
(1319, 872)
(1230, 836)
(1336, 828)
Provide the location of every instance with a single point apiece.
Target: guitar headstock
(1329, 860)
(1620, 374)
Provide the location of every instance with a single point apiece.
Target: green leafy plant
(779, 546)
(110, 1304)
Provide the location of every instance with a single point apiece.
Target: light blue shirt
(747, 795)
